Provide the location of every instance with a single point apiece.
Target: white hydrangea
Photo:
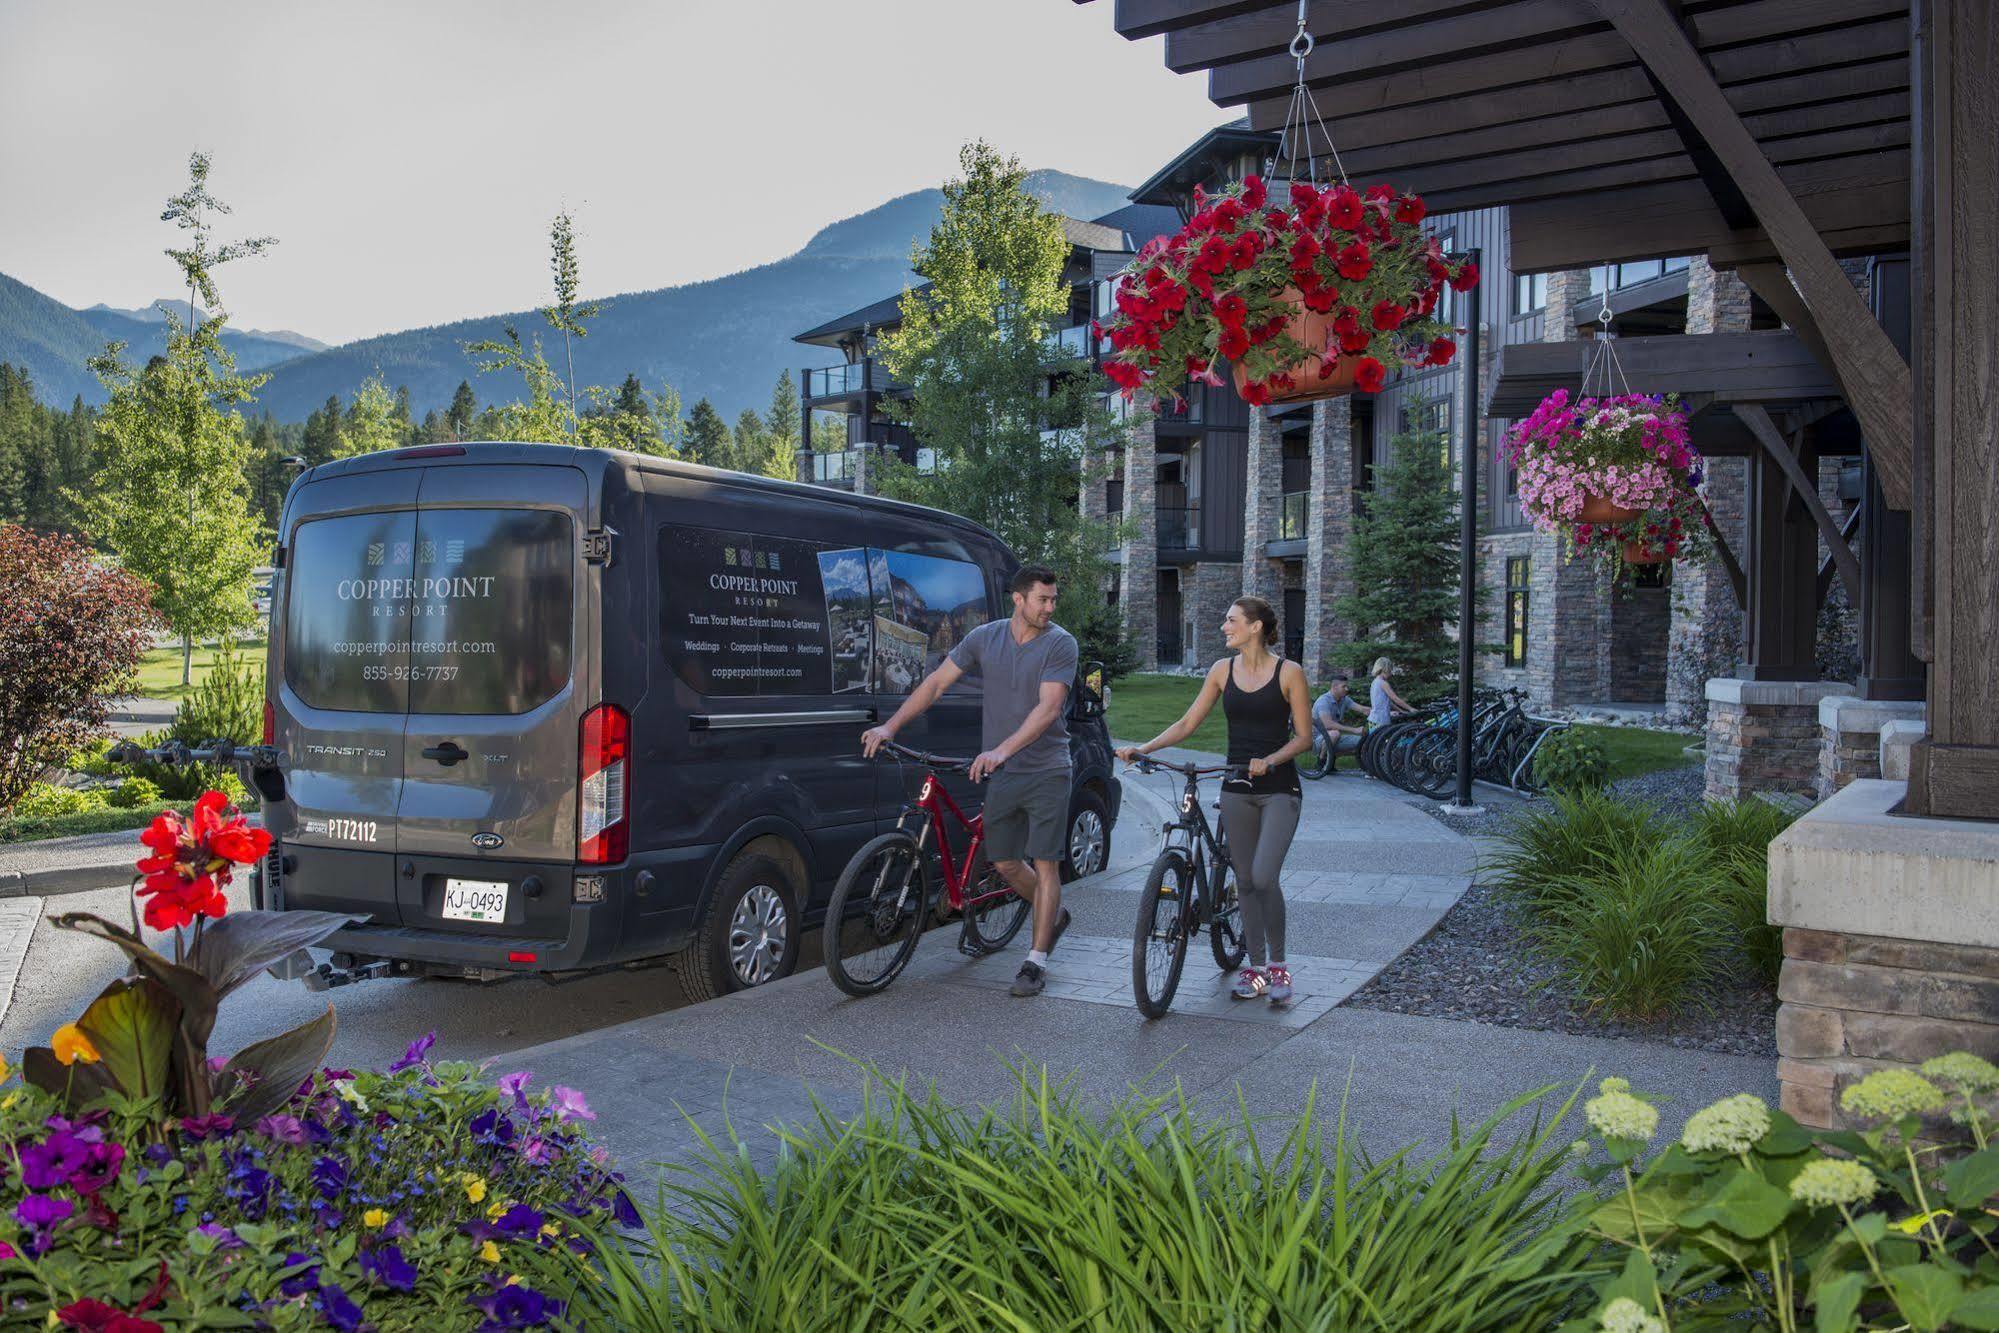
(1616, 1114)
(1625, 1315)
(1732, 1125)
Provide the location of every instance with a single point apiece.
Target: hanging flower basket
(1617, 476)
(1315, 296)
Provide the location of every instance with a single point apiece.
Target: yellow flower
(375, 1218)
(71, 1045)
(550, 1229)
(489, 1253)
(475, 1188)
(4, 1069)
(513, 1280)
(496, 1210)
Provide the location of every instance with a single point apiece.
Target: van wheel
(749, 935)
(1087, 849)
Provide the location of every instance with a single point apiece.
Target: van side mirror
(1090, 697)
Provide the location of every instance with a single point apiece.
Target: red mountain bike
(881, 903)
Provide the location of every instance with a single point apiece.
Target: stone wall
(1329, 511)
(1850, 737)
(1138, 549)
(1263, 505)
(1763, 736)
(1215, 585)
(1639, 621)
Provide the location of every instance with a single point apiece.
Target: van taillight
(270, 724)
(603, 832)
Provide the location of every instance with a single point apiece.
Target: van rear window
(443, 611)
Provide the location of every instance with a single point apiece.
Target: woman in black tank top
(1268, 705)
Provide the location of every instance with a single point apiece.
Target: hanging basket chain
(1302, 114)
(1602, 362)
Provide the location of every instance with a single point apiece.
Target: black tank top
(1259, 725)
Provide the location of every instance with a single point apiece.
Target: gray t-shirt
(1011, 674)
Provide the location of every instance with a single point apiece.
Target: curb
(67, 879)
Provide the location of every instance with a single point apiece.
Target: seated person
(1329, 714)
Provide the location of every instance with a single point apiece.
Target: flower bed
(1319, 298)
(1615, 476)
(148, 1185)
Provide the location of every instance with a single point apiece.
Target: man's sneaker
(1280, 985)
(1029, 980)
(1249, 984)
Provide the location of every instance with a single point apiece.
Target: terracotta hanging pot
(1636, 554)
(1599, 509)
(1310, 329)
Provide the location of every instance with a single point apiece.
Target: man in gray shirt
(1026, 664)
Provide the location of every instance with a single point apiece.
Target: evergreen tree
(546, 416)
(463, 413)
(432, 430)
(984, 386)
(631, 398)
(1403, 551)
(749, 445)
(631, 419)
(708, 439)
(171, 496)
(781, 423)
(567, 315)
(322, 433)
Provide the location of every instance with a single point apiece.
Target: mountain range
(725, 339)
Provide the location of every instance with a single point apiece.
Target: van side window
(347, 625)
(924, 605)
(749, 614)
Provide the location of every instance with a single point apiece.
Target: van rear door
(497, 619)
(341, 646)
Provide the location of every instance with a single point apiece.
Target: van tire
(1089, 818)
(705, 968)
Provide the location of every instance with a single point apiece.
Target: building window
(1517, 571)
(1530, 293)
(1436, 420)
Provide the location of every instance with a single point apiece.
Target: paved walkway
(1369, 875)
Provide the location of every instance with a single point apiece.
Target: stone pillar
(802, 466)
(1095, 472)
(1850, 737)
(1138, 548)
(1763, 736)
(864, 453)
(1328, 528)
(1706, 634)
(1215, 584)
(1891, 943)
(1263, 506)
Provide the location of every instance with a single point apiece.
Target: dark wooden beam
(1268, 32)
(1770, 282)
(1829, 567)
(1785, 454)
(1148, 18)
(1874, 375)
(1956, 772)
(1768, 366)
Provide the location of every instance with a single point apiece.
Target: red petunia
(1441, 352)
(1410, 208)
(97, 1317)
(1388, 316)
(1344, 209)
(1466, 277)
(1231, 310)
(1357, 341)
(1370, 375)
(1254, 192)
(1354, 262)
(1234, 344)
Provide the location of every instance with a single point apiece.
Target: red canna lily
(192, 860)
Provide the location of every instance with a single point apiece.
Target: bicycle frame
(1201, 844)
(933, 804)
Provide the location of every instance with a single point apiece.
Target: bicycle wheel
(1159, 944)
(1320, 762)
(993, 911)
(876, 914)
(1225, 937)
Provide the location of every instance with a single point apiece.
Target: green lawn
(1144, 706)
(1634, 750)
(21, 829)
(159, 671)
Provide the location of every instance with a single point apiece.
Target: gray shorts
(1027, 815)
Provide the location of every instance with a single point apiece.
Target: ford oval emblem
(487, 842)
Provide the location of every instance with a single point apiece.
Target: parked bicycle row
(1418, 751)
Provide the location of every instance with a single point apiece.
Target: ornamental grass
(1047, 1212)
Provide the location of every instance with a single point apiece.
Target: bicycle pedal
(971, 948)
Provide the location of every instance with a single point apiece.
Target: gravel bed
(1476, 966)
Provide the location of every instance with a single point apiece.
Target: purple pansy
(303, 1281)
(519, 1221)
(386, 1265)
(39, 1214)
(339, 1309)
(414, 1056)
(284, 1129)
(49, 1164)
(224, 1238)
(329, 1177)
(516, 1307)
(100, 1167)
(215, 1126)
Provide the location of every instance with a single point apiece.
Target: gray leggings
(1260, 829)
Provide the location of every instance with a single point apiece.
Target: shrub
(1573, 835)
(46, 800)
(1638, 934)
(1049, 1213)
(1745, 826)
(94, 759)
(227, 702)
(185, 782)
(1738, 834)
(134, 793)
(72, 631)
(1751, 1220)
(1571, 761)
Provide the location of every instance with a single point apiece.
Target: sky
(409, 156)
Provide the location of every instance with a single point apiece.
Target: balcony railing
(833, 380)
(1179, 529)
(1064, 440)
(1291, 517)
(834, 466)
(1069, 342)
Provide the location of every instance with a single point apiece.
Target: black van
(543, 709)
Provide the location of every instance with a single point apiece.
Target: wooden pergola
(1772, 136)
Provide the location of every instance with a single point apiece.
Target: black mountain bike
(1192, 885)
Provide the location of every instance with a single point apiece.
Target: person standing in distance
(1027, 664)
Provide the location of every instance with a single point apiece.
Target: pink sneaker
(1249, 984)
(1279, 989)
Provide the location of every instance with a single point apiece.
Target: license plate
(475, 900)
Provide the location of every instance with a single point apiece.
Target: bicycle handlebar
(179, 754)
(1145, 763)
(943, 762)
